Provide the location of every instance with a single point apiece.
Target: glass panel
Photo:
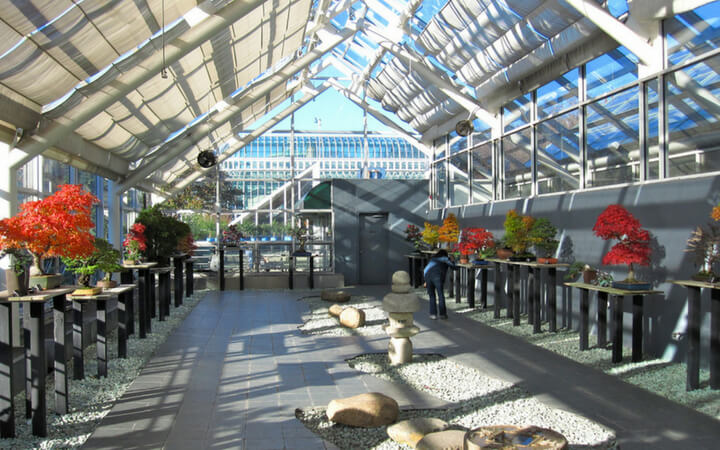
(439, 145)
(692, 103)
(517, 112)
(652, 130)
(440, 178)
(458, 178)
(560, 94)
(610, 71)
(457, 143)
(558, 150)
(612, 139)
(482, 133)
(54, 174)
(693, 33)
(482, 178)
(517, 162)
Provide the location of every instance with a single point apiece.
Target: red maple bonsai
(633, 245)
(474, 239)
(58, 225)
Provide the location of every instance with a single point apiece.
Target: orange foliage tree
(450, 230)
(58, 225)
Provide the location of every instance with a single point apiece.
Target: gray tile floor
(233, 373)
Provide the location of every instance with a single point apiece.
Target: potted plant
(135, 244)
(301, 236)
(430, 235)
(704, 244)
(414, 236)
(633, 246)
(104, 257)
(449, 231)
(232, 236)
(17, 276)
(502, 250)
(57, 226)
(162, 233)
(517, 235)
(589, 274)
(542, 235)
(476, 241)
(186, 245)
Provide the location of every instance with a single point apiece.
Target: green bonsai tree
(517, 232)
(542, 235)
(104, 257)
(162, 232)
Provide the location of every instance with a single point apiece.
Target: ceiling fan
(206, 159)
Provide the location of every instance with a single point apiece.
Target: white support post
(114, 205)
(8, 208)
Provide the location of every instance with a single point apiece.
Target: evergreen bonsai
(542, 235)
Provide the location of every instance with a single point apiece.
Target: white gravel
(481, 400)
(92, 398)
(664, 378)
(317, 321)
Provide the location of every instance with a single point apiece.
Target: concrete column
(8, 208)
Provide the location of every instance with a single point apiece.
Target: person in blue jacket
(435, 273)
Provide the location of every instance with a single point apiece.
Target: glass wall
(597, 125)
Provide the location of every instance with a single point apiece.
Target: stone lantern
(400, 304)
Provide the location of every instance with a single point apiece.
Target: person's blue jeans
(434, 283)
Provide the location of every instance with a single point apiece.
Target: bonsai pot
(504, 253)
(46, 281)
(464, 259)
(106, 284)
(523, 258)
(480, 262)
(632, 285)
(87, 290)
(541, 260)
(589, 276)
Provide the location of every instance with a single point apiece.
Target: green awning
(318, 197)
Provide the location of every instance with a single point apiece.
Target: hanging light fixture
(163, 71)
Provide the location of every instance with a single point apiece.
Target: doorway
(374, 242)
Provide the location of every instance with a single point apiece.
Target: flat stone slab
(365, 410)
(335, 296)
(410, 432)
(510, 436)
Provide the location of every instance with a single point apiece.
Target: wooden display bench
(616, 298)
(144, 280)
(469, 272)
(693, 332)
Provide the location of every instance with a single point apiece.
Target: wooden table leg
(617, 328)
(637, 328)
(142, 302)
(311, 279)
(498, 291)
(178, 291)
(532, 282)
(152, 298)
(78, 340)
(38, 369)
(60, 363)
(471, 287)
(537, 322)
(693, 333)
(27, 331)
(483, 287)
(7, 403)
(241, 267)
(291, 273)
(101, 338)
(221, 269)
(715, 339)
(190, 278)
(552, 298)
(602, 302)
(516, 295)
(584, 313)
(510, 291)
(457, 275)
(122, 324)
(127, 278)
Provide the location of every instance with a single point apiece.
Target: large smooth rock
(409, 432)
(502, 436)
(394, 302)
(443, 440)
(352, 317)
(335, 310)
(335, 296)
(365, 410)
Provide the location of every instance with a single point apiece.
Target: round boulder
(335, 310)
(365, 410)
(443, 440)
(335, 296)
(409, 432)
(352, 317)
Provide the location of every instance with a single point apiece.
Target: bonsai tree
(248, 229)
(135, 242)
(58, 225)
(162, 233)
(414, 236)
(449, 231)
(186, 244)
(542, 235)
(633, 246)
(430, 234)
(704, 244)
(20, 260)
(517, 232)
(104, 257)
(232, 236)
(474, 240)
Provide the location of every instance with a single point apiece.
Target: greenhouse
(385, 224)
